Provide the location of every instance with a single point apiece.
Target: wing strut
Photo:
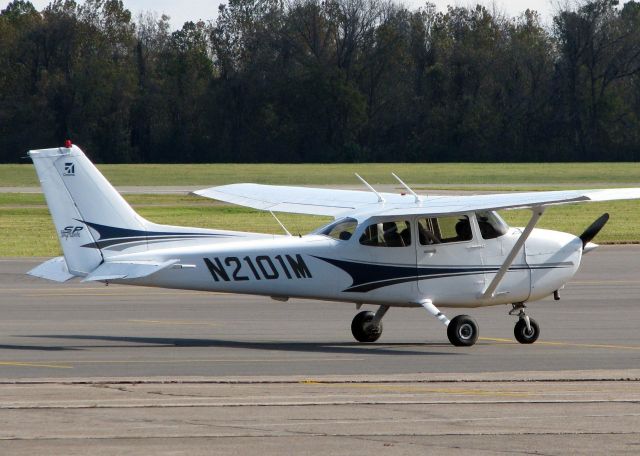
(280, 223)
(535, 216)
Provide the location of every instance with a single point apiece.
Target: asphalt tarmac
(89, 369)
(91, 330)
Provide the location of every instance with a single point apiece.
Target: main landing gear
(526, 330)
(462, 330)
(367, 326)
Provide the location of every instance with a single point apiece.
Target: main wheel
(523, 335)
(462, 331)
(362, 328)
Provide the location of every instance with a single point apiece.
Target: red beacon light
(67, 143)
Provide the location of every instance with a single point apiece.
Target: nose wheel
(526, 330)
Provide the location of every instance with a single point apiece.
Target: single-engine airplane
(385, 249)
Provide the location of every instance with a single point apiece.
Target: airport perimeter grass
(420, 174)
(26, 228)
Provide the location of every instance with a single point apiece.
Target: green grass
(621, 228)
(424, 174)
(26, 228)
(135, 199)
(20, 200)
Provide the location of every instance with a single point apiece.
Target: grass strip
(421, 174)
(26, 228)
(29, 231)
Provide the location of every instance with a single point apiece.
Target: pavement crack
(166, 394)
(120, 388)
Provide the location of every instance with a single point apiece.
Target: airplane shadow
(37, 347)
(352, 348)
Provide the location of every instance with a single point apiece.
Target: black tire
(462, 331)
(364, 332)
(522, 335)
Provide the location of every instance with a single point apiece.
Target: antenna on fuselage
(280, 223)
(417, 197)
(380, 198)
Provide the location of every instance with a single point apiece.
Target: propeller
(594, 229)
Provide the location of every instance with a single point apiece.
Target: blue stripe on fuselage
(371, 276)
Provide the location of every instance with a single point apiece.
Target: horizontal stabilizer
(127, 270)
(54, 269)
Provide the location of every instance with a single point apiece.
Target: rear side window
(387, 234)
(342, 229)
(441, 230)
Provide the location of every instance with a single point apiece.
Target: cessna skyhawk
(385, 249)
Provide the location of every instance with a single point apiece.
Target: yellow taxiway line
(564, 344)
(26, 364)
(173, 361)
(604, 282)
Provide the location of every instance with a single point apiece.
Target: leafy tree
(312, 80)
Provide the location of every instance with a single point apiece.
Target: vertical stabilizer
(78, 195)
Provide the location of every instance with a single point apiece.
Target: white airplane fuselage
(319, 267)
(385, 249)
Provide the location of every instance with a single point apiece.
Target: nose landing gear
(526, 330)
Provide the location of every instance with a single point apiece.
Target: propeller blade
(594, 229)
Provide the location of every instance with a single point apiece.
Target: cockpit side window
(342, 229)
(387, 234)
(441, 230)
(491, 224)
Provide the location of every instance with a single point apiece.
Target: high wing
(443, 205)
(336, 203)
(302, 200)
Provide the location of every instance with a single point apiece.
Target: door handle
(431, 251)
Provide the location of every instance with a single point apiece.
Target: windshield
(491, 224)
(341, 229)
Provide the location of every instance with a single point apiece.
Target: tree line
(322, 81)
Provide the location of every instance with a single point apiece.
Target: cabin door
(449, 264)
